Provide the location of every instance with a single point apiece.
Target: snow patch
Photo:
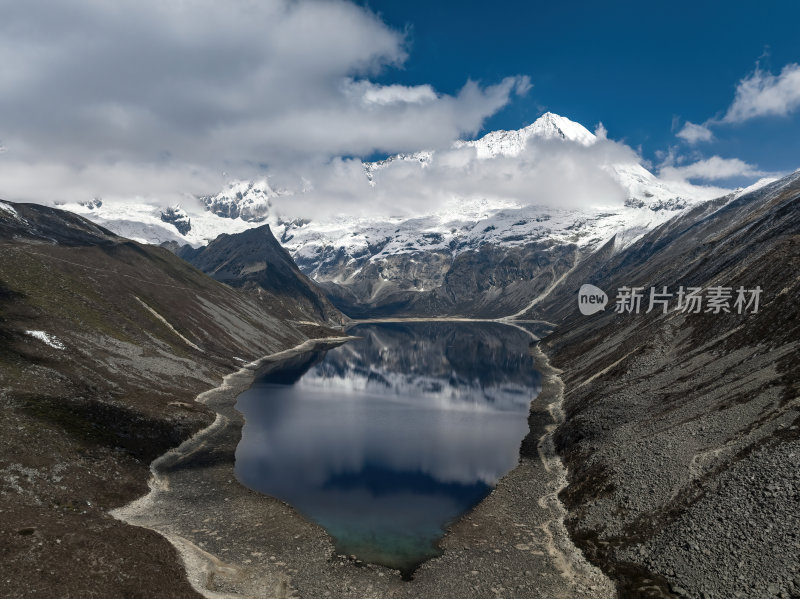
(755, 186)
(46, 338)
(8, 208)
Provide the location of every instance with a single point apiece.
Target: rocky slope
(104, 343)
(255, 262)
(683, 429)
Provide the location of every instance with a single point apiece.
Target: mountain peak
(176, 216)
(512, 143)
(554, 126)
(250, 200)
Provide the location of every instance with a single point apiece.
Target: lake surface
(388, 439)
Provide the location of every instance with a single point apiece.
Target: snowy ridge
(511, 143)
(755, 186)
(248, 200)
(240, 206)
(143, 222)
(461, 225)
(316, 246)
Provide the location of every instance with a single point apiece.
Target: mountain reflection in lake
(387, 439)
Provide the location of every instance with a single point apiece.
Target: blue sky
(153, 99)
(635, 66)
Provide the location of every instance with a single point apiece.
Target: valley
(367, 299)
(238, 542)
(102, 362)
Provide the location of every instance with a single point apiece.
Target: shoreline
(575, 562)
(198, 563)
(235, 542)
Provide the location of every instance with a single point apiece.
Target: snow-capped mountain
(242, 205)
(643, 188)
(248, 200)
(512, 143)
(245, 204)
(146, 223)
(409, 263)
(420, 265)
(498, 143)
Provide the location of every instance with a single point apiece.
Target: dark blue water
(388, 439)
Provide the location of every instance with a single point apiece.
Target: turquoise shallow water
(386, 440)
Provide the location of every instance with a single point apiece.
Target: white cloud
(547, 172)
(711, 169)
(370, 93)
(353, 128)
(207, 85)
(523, 85)
(694, 133)
(762, 94)
(48, 181)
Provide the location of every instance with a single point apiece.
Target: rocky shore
(239, 543)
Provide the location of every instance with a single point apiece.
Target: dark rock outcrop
(255, 261)
(177, 218)
(491, 281)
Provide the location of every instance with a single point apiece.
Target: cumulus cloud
(759, 94)
(207, 85)
(711, 169)
(694, 133)
(763, 94)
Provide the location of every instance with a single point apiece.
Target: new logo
(591, 299)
